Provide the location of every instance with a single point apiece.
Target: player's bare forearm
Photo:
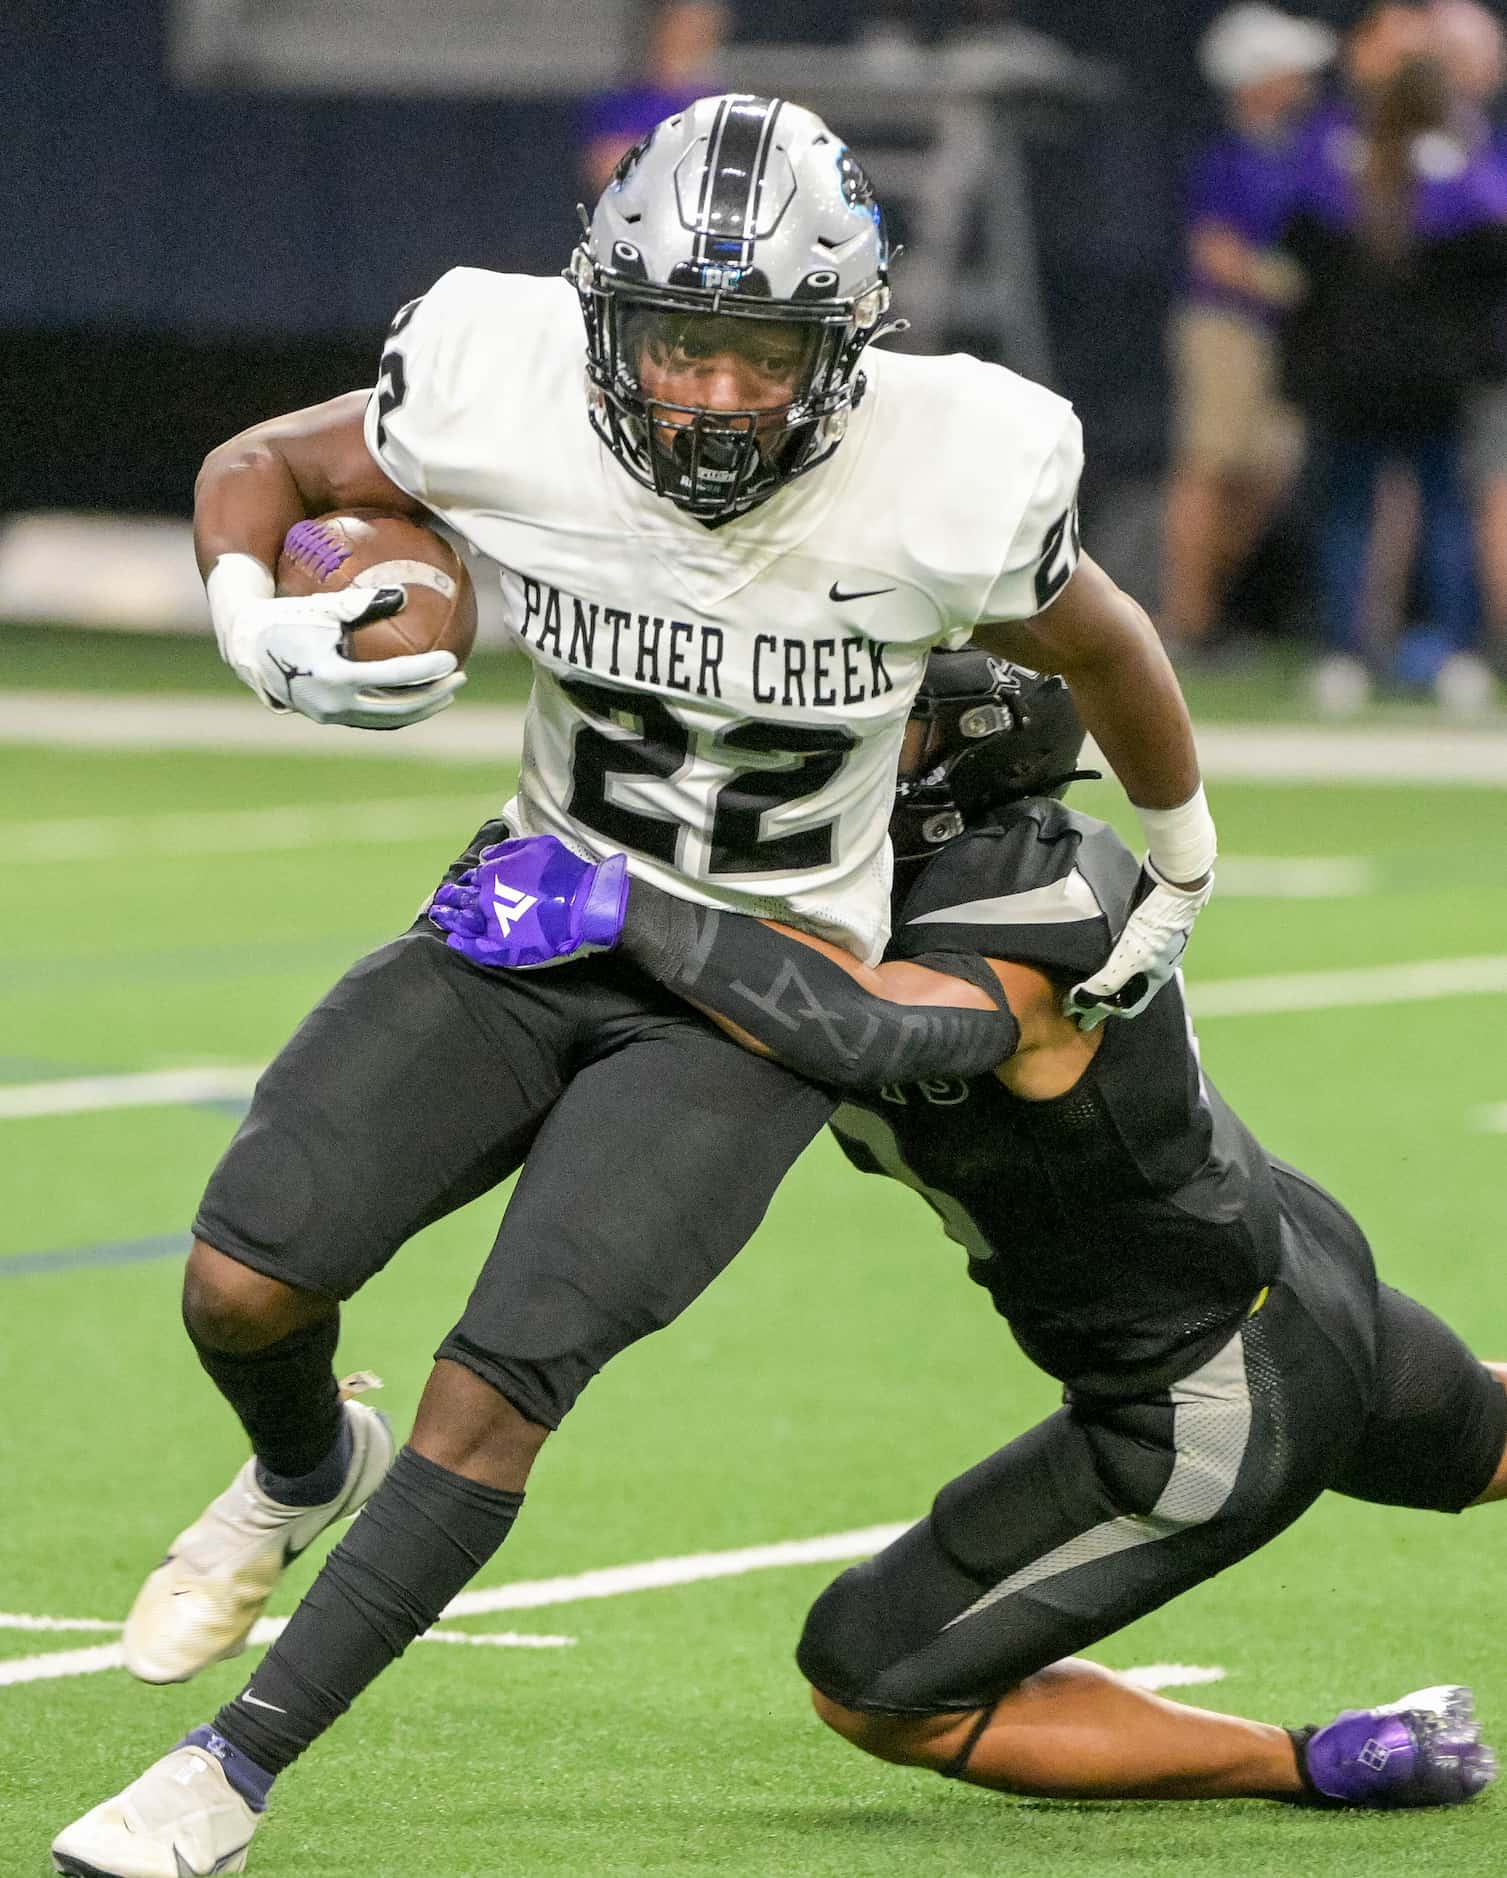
(253, 488)
(896, 981)
(1104, 645)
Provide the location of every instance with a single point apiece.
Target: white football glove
(1154, 939)
(288, 651)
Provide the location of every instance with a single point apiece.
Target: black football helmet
(991, 732)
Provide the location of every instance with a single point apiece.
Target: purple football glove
(532, 902)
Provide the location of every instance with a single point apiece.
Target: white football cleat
(181, 1819)
(199, 1605)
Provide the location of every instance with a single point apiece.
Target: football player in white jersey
(728, 537)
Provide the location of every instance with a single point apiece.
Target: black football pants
(650, 1148)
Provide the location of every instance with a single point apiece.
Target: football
(373, 548)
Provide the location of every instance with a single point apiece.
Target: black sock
(421, 1537)
(1311, 1795)
(286, 1397)
(311, 1489)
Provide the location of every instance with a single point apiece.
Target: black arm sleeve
(805, 1008)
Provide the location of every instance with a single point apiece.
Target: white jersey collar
(709, 565)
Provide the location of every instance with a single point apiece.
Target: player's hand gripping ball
(372, 619)
(532, 902)
(372, 550)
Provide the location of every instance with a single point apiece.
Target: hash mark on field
(56, 1665)
(1173, 1675)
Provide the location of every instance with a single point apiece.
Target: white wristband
(233, 581)
(1181, 843)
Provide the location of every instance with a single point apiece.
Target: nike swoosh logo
(834, 592)
(257, 1702)
(1059, 903)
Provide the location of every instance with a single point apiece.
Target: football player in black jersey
(1226, 1349)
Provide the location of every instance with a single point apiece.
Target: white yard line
(87, 720)
(9, 1620)
(1287, 753)
(1383, 755)
(612, 1581)
(655, 1574)
(1284, 877)
(497, 1639)
(83, 1095)
(58, 1664)
(1380, 754)
(383, 821)
(371, 822)
(1221, 997)
(1365, 984)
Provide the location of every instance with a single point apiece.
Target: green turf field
(839, 1373)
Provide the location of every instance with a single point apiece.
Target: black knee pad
(843, 1647)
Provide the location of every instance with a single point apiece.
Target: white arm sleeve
(1044, 549)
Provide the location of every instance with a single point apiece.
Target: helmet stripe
(735, 161)
(756, 178)
(708, 178)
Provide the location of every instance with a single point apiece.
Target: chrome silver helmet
(738, 209)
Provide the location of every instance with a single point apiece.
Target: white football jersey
(725, 705)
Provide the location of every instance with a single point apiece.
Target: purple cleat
(1424, 1750)
(532, 902)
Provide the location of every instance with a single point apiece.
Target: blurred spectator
(1399, 225)
(682, 39)
(1238, 444)
(1467, 39)
(1470, 42)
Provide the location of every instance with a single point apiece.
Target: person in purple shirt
(684, 38)
(1238, 444)
(1471, 42)
(1398, 224)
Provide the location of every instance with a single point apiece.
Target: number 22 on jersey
(657, 744)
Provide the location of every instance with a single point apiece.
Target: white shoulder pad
(1045, 547)
(455, 367)
(969, 467)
